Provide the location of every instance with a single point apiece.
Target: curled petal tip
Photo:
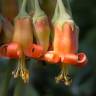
(11, 50)
(69, 59)
(51, 57)
(34, 51)
(82, 59)
(14, 50)
(75, 59)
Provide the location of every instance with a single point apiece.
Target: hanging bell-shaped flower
(66, 37)
(22, 38)
(65, 44)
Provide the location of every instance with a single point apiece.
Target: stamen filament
(64, 76)
(21, 70)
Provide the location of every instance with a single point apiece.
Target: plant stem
(23, 4)
(32, 4)
(38, 10)
(56, 13)
(63, 13)
(22, 12)
(68, 3)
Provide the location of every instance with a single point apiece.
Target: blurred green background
(41, 74)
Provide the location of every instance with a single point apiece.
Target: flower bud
(41, 25)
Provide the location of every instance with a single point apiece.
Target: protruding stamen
(21, 70)
(64, 76)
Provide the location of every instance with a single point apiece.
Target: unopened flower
(41, 25)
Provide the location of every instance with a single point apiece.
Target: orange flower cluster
(64, 45)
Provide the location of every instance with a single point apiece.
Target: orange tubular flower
(22, 39)
(65, 43)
